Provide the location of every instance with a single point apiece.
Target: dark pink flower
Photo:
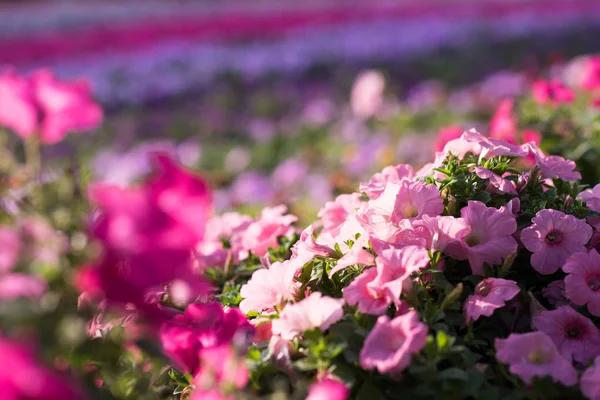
(202, 326)
(502, 125)
(552, 92)
(582, 283)
(575, 336)
(552, 238)
(555, 294)
(490, 294)
(221, 367)
(534, 354)
(328, 389)
(445, 135)
(391, 344)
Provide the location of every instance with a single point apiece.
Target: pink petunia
(553, 237)
(391, 343)
(445, 135)
(335, 213)
(328, 389)
(555, 294)
(315, 311)
(502, 125)
(498, 183)
(589, 384)
(575, 336)
(306, 249)
(221, 367)
(490, 294)
(488, 238)
(552, 167)
(356, 255)
(262, 234)
(392, 173)
(415, 199)
(367, 93)
(534, 354)
(270, 288)
(552, 92)
(582, 283)
(591, 198)
(363, 292)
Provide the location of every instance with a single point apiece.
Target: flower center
(554, 237)
(483, 288)
(537, 356)
(472, 239)
(573, 332)
(593, 283)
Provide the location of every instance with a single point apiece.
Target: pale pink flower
(306, 249)
(356, 255)
(582, 283)
(269, 287)
(328, 389)
(552, 92)
(575, 336)
(362, 291)
(436, 233)
(335, 213)
(392, 173)
(555, 294)
(591, 198)
(552, 238)
(391, 344)
(552, 167)
(263, 233)
(415, 199)
(475, 143)
(488, 238)
(17, 285)
(534, 354)
(497, 182)
(490, 294)
(589, 384)
(315, 311)
(367, 93)
(10, 247)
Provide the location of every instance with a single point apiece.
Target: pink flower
(575, 336)
(306, 249)
(445, 135)
(490, 294)
(582, 283)
(591, 198)
(591, 74)
(392, 173)
(221, 367)
(23, 377)
(328, 389)
(555, 294)
(552, 167)
(589, 384)
(10, 248)
(534, 354)
(391, 344)
(488, 238)
(415, 199)
(40, 104)
(502, 125)
(376, 288)
(497, 182)
(335, 213)
(270, 288)
(17, 285)
(475, 143)
(315, 311)
(148, 233)
(202, 326)
(262, 234)
(356, 255)
(552, 238)
(367, 93)
(551, 92)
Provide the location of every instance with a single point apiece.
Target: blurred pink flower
(270, 287)
(590, 381)
(502, 125)
(42, 105)
(16, 285)
(490, 294)
(534, 354)
(445, 135)
(552, 238)
(575, 336)
(591, 74)
(315, 311)
(391, 344)
(262, 234)
(221, 367)
(367, 93)
(378, 182)
(10, 249)
(202, 326)
(552, 92)
(582, 283)
(328, 389)
(488, 238)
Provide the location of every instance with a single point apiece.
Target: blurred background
(290, 102)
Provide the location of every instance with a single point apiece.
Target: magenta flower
(488, 238)
(315, 311)
(335, 213)
(445, 135)
(263, 233)
(42, 105)
(534, 354)
(502, 125)
(552, 92)
(552, 238)
(328, 389)
(392, 173)
(498, 183)
(201, 326)
(575, 336)
(555, 294)
(270, 288)
(589, 384)
(415, 199)
(222, 368)
(582, 283)
(23, 377)
(391, 343)
(490, 294)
